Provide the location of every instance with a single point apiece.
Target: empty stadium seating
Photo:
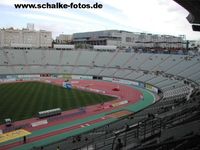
(132, 66)
(165, 71)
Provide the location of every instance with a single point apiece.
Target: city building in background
(30, 26)
(64, 38)
(105, 40)
(193, 45)
(127, 39)
(25, 38)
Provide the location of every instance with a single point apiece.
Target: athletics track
(94, 117)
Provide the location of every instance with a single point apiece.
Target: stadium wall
(14, 78)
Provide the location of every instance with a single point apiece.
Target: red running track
(124, 93)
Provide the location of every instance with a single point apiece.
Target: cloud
(152, 16)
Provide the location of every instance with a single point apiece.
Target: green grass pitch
(23, 100)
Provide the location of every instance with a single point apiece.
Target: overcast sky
(151, 16)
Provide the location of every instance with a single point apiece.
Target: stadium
(99, 98)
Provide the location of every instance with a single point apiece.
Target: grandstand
(151, 93)
(160, 125)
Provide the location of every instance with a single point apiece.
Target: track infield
(28, 98)
(95, 115)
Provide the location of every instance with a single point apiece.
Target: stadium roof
(193, 6)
